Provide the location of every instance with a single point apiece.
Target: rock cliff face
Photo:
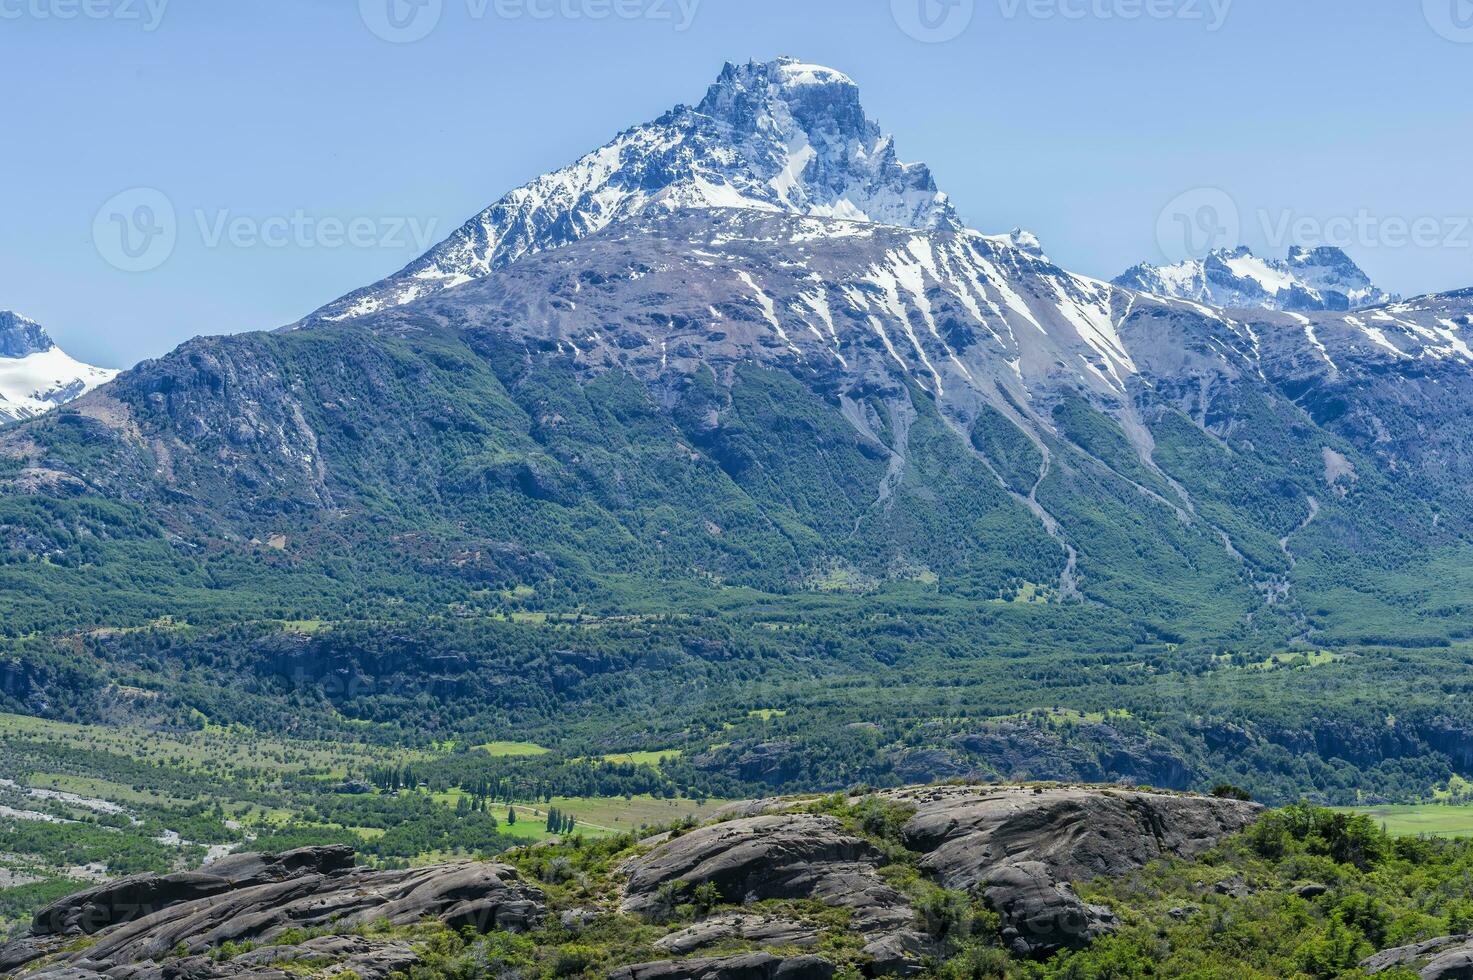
(1015, 848)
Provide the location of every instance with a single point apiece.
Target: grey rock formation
(784, 856)
(1021, 847)
(771, 857)
(1018, 848)
(116, 902)
(255, 899)
(762, 930)
(748, 966)
(1449, 958)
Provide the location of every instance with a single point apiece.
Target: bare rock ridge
(1449, 958)
(137, 923)
(1017, 847)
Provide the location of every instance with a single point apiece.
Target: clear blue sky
(1080, 128)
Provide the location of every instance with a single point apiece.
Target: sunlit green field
(1432, 820)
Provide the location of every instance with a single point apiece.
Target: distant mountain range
(35, 374)
(1310, 280)
(821, 376)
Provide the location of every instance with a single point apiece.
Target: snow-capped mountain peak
(21, 336)
(781, 136)
(1319, 279)
(36, 375)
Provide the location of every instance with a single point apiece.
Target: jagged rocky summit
(774, 136)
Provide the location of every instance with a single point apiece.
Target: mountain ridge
(1322, 279)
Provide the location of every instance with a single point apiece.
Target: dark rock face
(20, 337)
(1021, 847)
(771, 857)
(1450, 958)
(255, 898)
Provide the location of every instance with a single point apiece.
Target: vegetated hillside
(451, 532)
(505, 434)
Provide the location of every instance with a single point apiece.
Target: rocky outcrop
(782, 856)
(1449, 958)
(1021, 847)
(1018, 849)
(761, 930)
(137, 924)
(748, 966)
(756, 858)
(140, 896)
